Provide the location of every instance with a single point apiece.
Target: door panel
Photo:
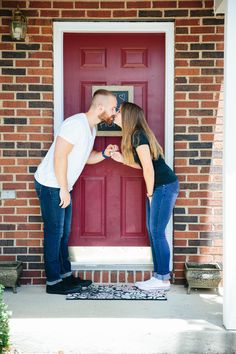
(109, 198)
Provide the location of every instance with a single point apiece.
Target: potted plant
(202, 275)
(4, 325)
(10, 273)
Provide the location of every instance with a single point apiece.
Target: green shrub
(4, 324)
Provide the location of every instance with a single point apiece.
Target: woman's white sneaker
(154, 284)
(140, 283)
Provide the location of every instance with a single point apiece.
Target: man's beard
(104, 116)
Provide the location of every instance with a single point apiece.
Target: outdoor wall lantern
(18, 25)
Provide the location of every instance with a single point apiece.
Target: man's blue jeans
(57, 225)
(158, 214)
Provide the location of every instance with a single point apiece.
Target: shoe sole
(157, 288)
(65, 292)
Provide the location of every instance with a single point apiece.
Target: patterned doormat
(117, 292)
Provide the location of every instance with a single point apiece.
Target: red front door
(109, 198)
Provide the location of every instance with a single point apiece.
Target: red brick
(179, 266)
(138, 276)
(186, 202)
(200, 227)
(14, 104)
(200, 80)
(164, 4)
(190, 4)
(181, 63)
(6, 178)
(27, 63)
(6, 46)
(29, 227)
(38, 281)
(47, 63)
(187, 22)
(120, 13)
(49, 13)
(97, 276)
(201, 96)
(37, 235)
(200, 259)
(62, 5)
(7, 112)
(112, 5)
(105, 277)
(40, 4)
(186, 104)
(15, 219)
(147, 275)
(203, 29)
(114, 277)
(6, 80)
(28, 79)
(210, 250)
(186, 234)
(73, 13)
(88, 4)
(209, 3)
(33, 30)
(27, 242)
(15, 169)
(39, 72)
(28, 112)
(41, 55)
(138, 4)
(29, 129)
(178, 258)
(180, 243)
(213, 38)
(7, 258)
(189, 38)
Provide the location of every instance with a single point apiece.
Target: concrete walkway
(184, 324)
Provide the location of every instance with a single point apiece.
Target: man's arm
(96, 156)
(62, 150)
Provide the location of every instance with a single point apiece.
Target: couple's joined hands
(113, 152)
(111, 149)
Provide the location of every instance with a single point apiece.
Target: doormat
(117, 292)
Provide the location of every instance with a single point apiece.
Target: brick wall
(26, 114)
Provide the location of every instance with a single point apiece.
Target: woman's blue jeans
(57, 225)
(158, 214)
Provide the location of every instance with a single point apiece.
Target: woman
(140, 149)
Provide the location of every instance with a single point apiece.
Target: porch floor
(185, 324)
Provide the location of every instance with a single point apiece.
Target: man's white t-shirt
(76, 131)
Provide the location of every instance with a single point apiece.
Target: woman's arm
(145, 158)
(118, 157)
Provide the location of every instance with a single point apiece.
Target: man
(54, 180)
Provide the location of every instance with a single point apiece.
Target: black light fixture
(18, 25)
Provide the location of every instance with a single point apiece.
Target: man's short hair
(101, 92)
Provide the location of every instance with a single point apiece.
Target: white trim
(229, 304)
(94, 257)
(219, 6)
(120, 27)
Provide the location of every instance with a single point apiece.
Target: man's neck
(93, 120)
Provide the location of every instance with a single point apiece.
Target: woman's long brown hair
(133, 119)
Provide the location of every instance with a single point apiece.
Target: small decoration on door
(123, 94)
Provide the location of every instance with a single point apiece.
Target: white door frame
(229, 177)
(98, 256)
